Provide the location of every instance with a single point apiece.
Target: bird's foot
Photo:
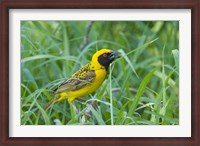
(92, 103)
(88, 110)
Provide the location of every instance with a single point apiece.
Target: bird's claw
(93, 104)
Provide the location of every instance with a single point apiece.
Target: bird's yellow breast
(100, 77)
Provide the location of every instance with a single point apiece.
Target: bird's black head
(108, 57)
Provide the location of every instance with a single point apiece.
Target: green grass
(142, 87)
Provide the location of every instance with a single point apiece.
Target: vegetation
(142, 87)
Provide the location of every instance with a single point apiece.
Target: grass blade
(176, 57)
(139, 93)
(128, 61)
(97, 115)
(44, 114)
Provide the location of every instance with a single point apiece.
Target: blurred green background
(142, 87)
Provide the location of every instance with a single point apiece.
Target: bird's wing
(80, 79)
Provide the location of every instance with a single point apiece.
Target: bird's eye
(105, 55)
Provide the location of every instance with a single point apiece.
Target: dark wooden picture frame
(103, 4)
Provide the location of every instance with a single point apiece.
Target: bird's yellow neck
(94, 65)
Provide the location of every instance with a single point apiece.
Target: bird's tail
(49, 104)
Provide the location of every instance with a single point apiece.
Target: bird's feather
(80, 79)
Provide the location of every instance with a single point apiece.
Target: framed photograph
(100, 73)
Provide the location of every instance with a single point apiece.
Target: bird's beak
(114, 55)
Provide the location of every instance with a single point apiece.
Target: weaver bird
(87, 79)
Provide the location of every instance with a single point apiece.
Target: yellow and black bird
(87, 79)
